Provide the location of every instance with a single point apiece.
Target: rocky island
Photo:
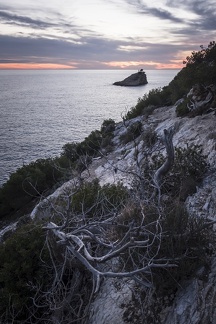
(136, 79)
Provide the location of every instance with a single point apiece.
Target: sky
(103, 34)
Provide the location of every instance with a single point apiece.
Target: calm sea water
(42, 110)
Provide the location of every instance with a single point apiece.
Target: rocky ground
(196, 299)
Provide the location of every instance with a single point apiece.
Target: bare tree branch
(167, 165)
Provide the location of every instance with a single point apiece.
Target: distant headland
(136, 79)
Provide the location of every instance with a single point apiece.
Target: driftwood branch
(167, 165)
(76, 246)
(196, 104)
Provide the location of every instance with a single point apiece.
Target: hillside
(120, 166)
(130, 238)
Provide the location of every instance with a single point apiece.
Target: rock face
(195, 300)
(109, 305)
(135, 79)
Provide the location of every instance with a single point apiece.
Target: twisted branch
(167, 165)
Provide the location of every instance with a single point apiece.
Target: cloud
(92, 50)
(51, 24)
(75, 37)
(9, 18)
(164, 14)
(157, 12)
(200, 15)
(42, 49)
(205, 12)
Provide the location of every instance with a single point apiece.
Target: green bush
(189, 168)
(182, 108)
(185, 243)
(145, 106)
(173, 236)
(132, 132)
(108, 126)
(199, 91)
(107, 129)
(149, 137)
(24, 263)
(29, 182)
(92, 144)
(93, 200)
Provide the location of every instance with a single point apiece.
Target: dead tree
(94, 246)
(167, 165)
(201, 100)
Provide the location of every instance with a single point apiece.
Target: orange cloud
(34, 66)
(175, 64)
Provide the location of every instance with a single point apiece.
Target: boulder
(135, 79)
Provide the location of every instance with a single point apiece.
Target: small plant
(145, 106)
(182, 109)
(132, 132)
(187, 172)
(23, 261)
(31, 181)
(107, 130)
(108, 126)
(149, 137)
(186, 242)
(93, 200)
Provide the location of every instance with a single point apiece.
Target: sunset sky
(103, 34)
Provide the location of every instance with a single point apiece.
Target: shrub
(40, 177)
(93, 200)
(182, 108)
(108, 126)
(173, 236)
(187, 172)
(29, 182)
(92, 144)
(190, 161)
(23, 268)
(149, 137)
(132, 132)
(186, 242)
(70, 150)
(107, 129)
(145, 106)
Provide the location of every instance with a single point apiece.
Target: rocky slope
(195, 299)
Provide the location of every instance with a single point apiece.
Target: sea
(41, 110)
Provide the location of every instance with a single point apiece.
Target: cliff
(135, 79)
(194, 299)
